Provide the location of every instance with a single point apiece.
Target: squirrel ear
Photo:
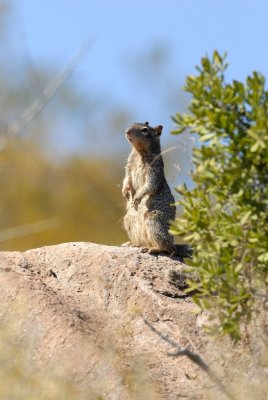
(158, 130)
(146, 123)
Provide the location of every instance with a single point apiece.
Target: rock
(79, 308)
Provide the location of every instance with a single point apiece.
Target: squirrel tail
(183, 251)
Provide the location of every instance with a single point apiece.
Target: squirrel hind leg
(160, 239)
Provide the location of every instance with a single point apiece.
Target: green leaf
(217, 58)
(245, 218)
(207, 137)
(263, 257)
(255, 146)
(178, 131)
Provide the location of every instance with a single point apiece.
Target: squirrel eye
(145, 130)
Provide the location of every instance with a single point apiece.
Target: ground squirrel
(149, 201)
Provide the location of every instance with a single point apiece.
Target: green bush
(225, 215)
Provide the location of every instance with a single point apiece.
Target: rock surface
(81, 307)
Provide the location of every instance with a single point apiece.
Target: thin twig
(184, 351)
(49, 91)
(164, 152)
(29, 69)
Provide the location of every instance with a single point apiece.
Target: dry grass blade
(169, 149)
(28, 229)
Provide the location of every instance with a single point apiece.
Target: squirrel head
(143, 137)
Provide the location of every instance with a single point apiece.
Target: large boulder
(77, 311)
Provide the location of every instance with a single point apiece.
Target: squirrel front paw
(136, 201)
(126, 193)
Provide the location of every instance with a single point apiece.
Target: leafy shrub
(225, 215)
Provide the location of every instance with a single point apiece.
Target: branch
(194, 357)
(49, 91)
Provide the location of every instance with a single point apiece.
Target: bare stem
(194, 357)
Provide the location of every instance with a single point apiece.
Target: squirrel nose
(127, 131)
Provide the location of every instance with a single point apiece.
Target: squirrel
(149, 201)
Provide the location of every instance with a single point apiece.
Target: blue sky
(126, 33)
(56, 27)
(121, 30)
